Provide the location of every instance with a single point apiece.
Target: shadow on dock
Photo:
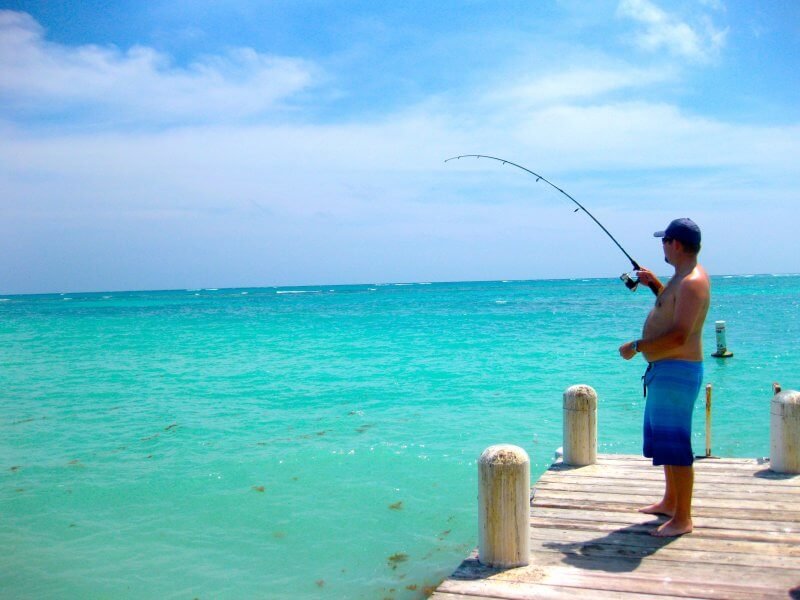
(628, 545)
(767, 474)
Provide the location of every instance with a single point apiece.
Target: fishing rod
(630, 282)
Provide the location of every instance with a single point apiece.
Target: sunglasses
(666, 240)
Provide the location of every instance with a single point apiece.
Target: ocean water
(319, 442)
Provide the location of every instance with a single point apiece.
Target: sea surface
(320, 442)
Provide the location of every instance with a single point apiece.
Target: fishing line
(630, 282)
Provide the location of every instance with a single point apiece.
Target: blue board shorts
(671, 387)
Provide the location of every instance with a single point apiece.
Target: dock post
(784, 438)
(708, 420)
(504, 483)
(580, 425)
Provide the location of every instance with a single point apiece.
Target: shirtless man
(671, 344)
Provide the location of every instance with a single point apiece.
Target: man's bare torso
(663, 314)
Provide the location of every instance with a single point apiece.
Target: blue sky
(152, 145)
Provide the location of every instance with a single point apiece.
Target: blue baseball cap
(684, 230)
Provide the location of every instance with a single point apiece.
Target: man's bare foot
(659, 508)
(672, 529)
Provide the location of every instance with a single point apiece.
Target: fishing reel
(630, 280)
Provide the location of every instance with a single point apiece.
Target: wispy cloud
(42, 77)
(571, 116)
(664, 31)
(579, 84)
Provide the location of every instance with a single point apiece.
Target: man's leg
(666, 506)
(682, 482)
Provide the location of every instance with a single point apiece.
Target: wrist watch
(636, 346)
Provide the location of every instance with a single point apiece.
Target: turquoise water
(319, 442)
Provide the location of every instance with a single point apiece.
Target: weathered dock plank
(588, 540)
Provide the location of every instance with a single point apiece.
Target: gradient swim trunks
(671, 387)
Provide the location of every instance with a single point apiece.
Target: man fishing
(671, 344)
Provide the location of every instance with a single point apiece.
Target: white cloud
(578, 84)
(662, 30)
(717, 5)
(359, 172)
(42, 77)
(641, 135)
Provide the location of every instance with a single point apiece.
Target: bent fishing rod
(629, 281)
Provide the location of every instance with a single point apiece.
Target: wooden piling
(784, 451)
(708, 420)
(504, 481)
(580, 425)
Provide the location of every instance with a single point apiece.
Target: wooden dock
(589, 541)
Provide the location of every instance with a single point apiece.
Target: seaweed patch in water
(397, 505)
(28, 420)
(395, 559)
(311, 436)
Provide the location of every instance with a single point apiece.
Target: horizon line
(382, 283)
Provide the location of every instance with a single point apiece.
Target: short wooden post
(580, 425)
(504, 482)
(708, 420)
(784, 446)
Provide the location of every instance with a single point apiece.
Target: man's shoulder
(697, 276)
(697, 282)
